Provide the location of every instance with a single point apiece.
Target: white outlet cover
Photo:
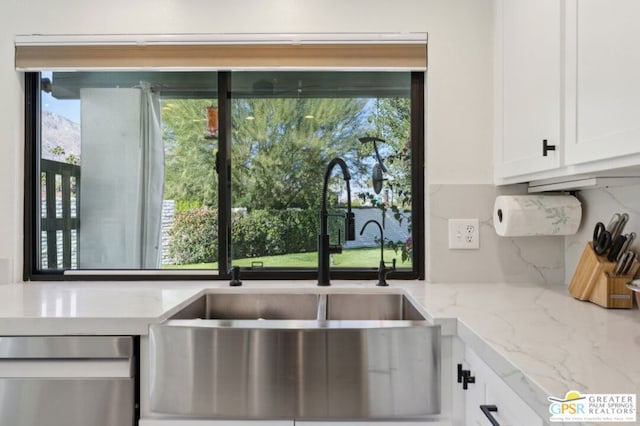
(464, 234)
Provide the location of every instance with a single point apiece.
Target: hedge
(273, 232)
(193, 236)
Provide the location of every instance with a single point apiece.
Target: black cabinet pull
(468, 378)
(546, 147)
(487, 410)
(465, 377)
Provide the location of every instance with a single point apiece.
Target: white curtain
(152, 179)
(122, 178)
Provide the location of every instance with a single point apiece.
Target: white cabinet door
(603, 80)
(475, 395)
(528, 86)
(490, 389)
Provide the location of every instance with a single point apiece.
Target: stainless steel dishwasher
(67, 381)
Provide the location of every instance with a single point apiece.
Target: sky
(67, 108)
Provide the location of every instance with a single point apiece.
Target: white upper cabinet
(567, 71)
(603, 79)
(528, 86)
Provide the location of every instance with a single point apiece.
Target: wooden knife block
(611, 291)
(593, 281)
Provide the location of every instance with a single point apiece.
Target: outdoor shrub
(273, 232)
(193, 236)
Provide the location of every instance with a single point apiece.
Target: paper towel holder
(536, 215)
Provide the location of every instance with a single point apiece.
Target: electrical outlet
(464, 234)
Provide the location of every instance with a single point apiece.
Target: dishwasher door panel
(66, 402)
(67, 381)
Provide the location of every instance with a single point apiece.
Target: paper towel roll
(527, 215)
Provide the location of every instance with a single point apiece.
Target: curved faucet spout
(327, 174)
(383, 270)
(324, 246)
(381, 235)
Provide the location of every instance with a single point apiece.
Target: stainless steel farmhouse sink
(296, 355)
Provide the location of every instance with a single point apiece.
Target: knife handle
(628, 265)
(616, 248)
(624, 264)
(627, 244)
(624, 218)
(617, 270)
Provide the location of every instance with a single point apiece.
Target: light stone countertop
(540, 340)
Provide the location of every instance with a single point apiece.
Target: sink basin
(371, 306)
(251, 306)
(296, 356)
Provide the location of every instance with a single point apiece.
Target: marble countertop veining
(542, 341)
(539, 339)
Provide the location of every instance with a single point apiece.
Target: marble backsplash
(599, 205)
(499, 259)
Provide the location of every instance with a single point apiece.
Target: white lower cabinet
(489, 389)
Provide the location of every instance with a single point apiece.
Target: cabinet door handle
(465, 377)
(546, 147)
(487, 410)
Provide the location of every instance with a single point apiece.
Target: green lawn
(361, 258)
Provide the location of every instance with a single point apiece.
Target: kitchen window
(167, 175)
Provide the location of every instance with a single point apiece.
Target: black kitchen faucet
(325, 248)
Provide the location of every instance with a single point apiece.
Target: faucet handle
(350, 226)
(383, 271)
(336, 248)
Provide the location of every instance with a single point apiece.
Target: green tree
(279, 156)
(190, 175)
(392, 122)
(281, 147)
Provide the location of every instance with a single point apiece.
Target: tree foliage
(190, 175)
(392, 121)
(279, 156)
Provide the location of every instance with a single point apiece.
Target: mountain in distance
(60, 138)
